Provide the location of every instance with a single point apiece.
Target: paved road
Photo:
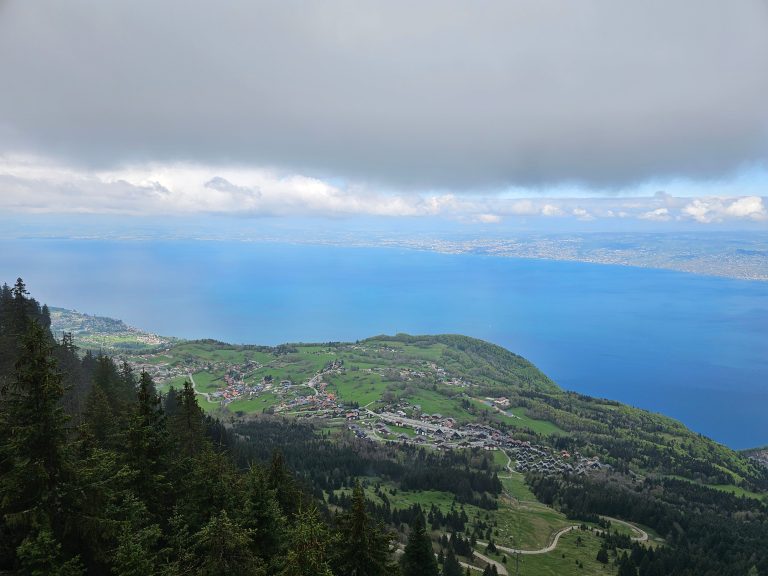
(314, 381)
(642, 534)
(544, 550)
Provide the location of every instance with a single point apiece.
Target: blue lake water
(692, 347)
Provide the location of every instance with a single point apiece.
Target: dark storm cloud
(434, 94)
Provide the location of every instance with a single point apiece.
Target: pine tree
(41, 555)
(7, 339)
(365, 548)
(105, 376)
(45, 318)
(308, 547)
(491, 547)
(602, 555)
(127, 385)
(147, 445)
(281, 481)
(20, 319)
(186, 424)
(262, 516)
(134, 555)
(171, 402)
(224, 547)
(626, 567)
(418, 558)
(35, 448)
(451, 566)
(76, 385)
(98, 421)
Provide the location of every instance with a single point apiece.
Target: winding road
(642, 534)
(194, 387)
(545, 550)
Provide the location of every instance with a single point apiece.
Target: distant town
(398, 422)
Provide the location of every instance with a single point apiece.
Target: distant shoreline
(693, 254)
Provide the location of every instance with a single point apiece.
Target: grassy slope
(654, 443)
(377, 366)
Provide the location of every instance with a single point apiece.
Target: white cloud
(35, 185)
(708, 210)
(488, 218)
(551, 210)
(658, 215)
(747, 207)
(582, 214)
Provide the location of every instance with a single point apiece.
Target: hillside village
(398, 422)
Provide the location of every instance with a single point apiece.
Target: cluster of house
(234, 390)
(162, 372)
(409, 374)
(322, 402)
(430, 430)
(235, 387)
(159, 372)
(502, 402)
(458, 382)
(532, 458)
(357, 431)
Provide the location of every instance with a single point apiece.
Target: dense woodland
(327, 465)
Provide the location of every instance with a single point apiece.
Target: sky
(484, 113)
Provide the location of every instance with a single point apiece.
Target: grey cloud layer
(438, 94)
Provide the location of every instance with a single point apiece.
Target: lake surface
(692, 347)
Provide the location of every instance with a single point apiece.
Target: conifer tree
(127, 385)
(491, 547)
(366, 546)
(451, 566)
(40, 554)
(33, 452)
(20, 320)
(106, 377)
(135, 552)
(171, 402)
(602, 555)
(626, 568)
(187, 422)
(45, 318)
(147, 445)
(76, 385)
(224, 547)
(308, 544)
(418, 558)
(98, 422)
(281, 481)
(262, 516)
